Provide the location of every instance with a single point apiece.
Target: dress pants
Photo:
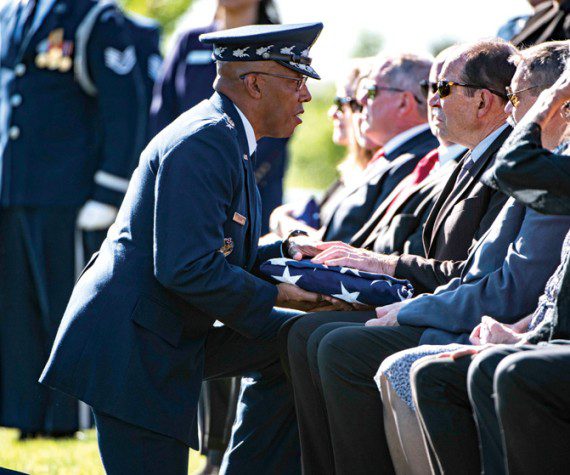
(338, 404)
(439, 388)
(531, 395)
(265, 436)
(37, 273)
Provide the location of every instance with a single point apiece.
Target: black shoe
(26, 435)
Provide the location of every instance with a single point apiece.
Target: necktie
(419, 174)
(467, 164)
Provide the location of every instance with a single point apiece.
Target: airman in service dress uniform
(61, 145)
(138, 334)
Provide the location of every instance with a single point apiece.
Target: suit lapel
(464, 186)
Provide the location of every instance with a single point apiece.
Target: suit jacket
(540, 179)
(379, 180)
(179, 256)
(463, 212)
(400, 231)
(550, 22)
(503, 277)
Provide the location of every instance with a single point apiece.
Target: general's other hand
(337, 253)
(96, 216)
(302, 246)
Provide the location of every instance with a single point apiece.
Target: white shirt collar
(403, 137)
(450, 152)
(249, 133)
(482, 146)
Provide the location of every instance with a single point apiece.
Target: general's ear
(252, 85)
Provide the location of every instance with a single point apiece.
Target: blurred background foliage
(313, 156)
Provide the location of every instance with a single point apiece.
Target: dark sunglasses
(351, 102)
(513, 95)
(372, 91)
(444, 88)
(427, 86)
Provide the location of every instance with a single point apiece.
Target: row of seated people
(431, 197)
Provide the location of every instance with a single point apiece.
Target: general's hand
(338, 253)
(387, 316)
(96, 216)
(302, 246)
(291, 296)
(494, 332)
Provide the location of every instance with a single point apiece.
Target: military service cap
(288, 45)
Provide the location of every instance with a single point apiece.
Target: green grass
(69, 457)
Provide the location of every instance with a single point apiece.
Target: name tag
(238, 218)
(199, 57)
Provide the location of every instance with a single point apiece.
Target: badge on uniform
(238, 218)
(121, 62)
(54, 53)
(228, 247)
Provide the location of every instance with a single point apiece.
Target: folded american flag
(344, 283)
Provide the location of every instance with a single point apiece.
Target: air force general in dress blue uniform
(137, 337)
(70, 109)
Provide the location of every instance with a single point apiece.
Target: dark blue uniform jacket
(131, 342)
(60, 146)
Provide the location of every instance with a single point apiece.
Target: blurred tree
(166, 12)
(438, 46)
(368, 44)
(314, 156)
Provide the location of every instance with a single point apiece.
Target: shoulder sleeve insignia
(120, 62)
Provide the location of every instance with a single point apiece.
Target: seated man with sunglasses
(396, 227)
(395, 116)
(329, 369)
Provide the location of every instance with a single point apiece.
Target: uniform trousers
(333, 358)
(37, 273)
(265, 436)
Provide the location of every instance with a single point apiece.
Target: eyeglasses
(354, 105)
(300, 81)
(427, 86)
(373, 89)
(444, 88)
(513, 95)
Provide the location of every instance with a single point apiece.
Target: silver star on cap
(350, 297)
(287, 277)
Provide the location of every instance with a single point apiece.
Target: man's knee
(482, 371)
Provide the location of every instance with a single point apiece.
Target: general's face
(283, 102)
(457, 112)
(378, 109)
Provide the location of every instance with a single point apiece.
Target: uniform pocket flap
(157, 318)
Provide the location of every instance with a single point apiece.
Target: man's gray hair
(487, 65)
(405, 71)
(543, 64)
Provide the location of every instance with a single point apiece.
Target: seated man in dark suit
(513, 388)
(469, 110)
(396, 227)
(394, 115)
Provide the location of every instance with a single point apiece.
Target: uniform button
(20, 69)
(15, 100)
(14, 132)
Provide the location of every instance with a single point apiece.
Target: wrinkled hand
(490, 331)
(387, 316)
(338, 253)
(462, 352)
(302, 246)
(96, 216)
